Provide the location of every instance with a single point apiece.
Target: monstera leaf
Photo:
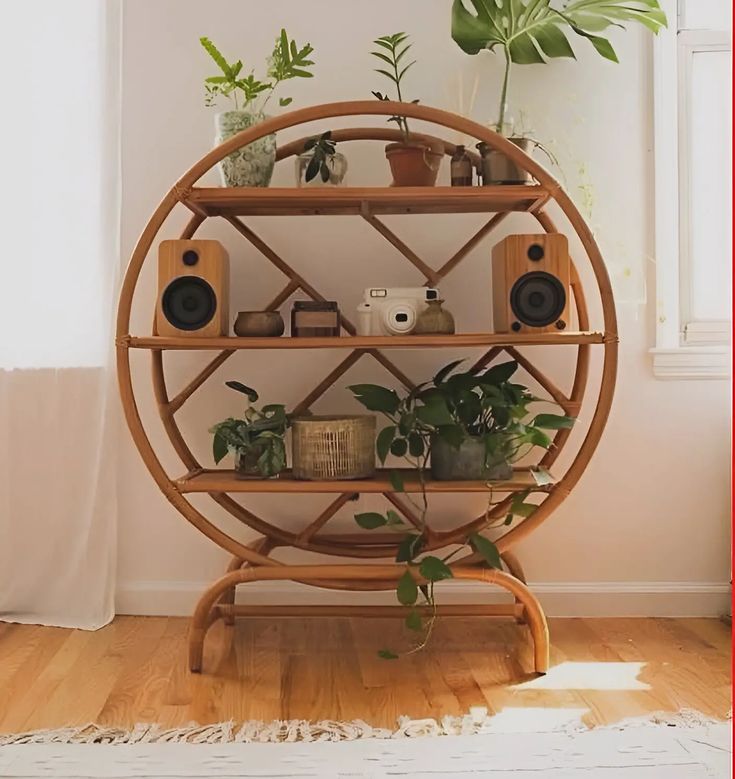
(534, 31)
(524, 29)
(598, 15)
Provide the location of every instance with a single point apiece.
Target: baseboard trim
(560, 599)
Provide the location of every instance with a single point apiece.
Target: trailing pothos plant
(393, 49)
(287, 61)
(258, 436)
(453, 406)
(534, 31)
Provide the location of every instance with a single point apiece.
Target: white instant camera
(392, 310)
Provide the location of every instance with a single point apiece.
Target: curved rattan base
(218, 601)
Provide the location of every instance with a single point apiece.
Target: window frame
(685, 348)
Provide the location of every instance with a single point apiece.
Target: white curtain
(59, 264)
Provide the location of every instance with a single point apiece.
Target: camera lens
(535, 252)
(399, 319)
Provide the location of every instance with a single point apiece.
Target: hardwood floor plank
(19, 715)
(22, 672)
(140, 676)
(676, 672)
(135, 671)
(84, 680)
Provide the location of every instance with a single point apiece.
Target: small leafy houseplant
(533, 32)
(257, 439)
(413, 161)
(482, 407)
(321, 163)
(252, 166)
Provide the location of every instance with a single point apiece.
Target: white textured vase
(252, 165)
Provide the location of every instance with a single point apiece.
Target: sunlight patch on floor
(532, 719)
(589, 676)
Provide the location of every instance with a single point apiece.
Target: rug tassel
(289, 731)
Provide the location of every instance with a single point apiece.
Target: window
(692, 109)
(58, 71)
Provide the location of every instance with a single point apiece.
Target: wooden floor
(135, 671)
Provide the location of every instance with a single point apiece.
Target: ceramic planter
(252, 165)
(336, 163)
(413, 164)
(466, 463)
(496, 168)
(259, 324)
(434, 320)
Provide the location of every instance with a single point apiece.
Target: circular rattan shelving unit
(254, 562)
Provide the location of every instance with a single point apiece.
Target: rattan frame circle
(277, 536)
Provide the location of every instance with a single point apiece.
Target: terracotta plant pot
(414, 164)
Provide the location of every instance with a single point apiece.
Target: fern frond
(216, 55)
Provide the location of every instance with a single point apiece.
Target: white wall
(646, 530)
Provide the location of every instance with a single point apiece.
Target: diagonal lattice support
(391, 367)
(328, 513)
(328, 381)
(407, 512)
(430, 274)
(283, 296)
(487, 358)
(176, 403)
(570, 408)
(463, 251)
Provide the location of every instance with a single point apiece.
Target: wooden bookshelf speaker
(193, 289)
(531, 283)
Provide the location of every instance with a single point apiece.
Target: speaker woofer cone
(538, 299)
(189, 303)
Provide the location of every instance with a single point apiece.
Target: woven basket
(326, 448)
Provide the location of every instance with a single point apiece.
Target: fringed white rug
(514, 744)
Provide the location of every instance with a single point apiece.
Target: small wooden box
(314, 318)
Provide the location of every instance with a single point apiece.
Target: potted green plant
(252, 165)
(256, 439)
(480, 407)
(533, 33)
(413, 161)
(474, 424)
(320, 164)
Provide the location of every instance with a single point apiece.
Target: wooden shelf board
(364, 342)
(296, 201)
(226, 481)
